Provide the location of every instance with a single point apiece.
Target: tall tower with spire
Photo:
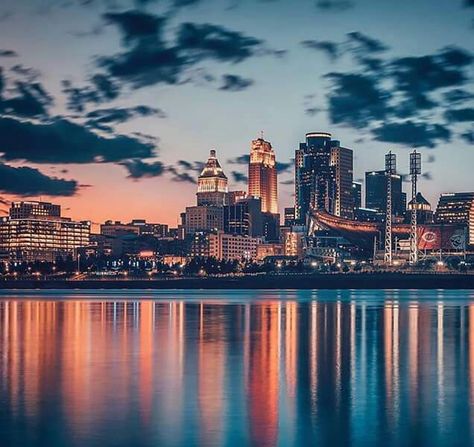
(263, 175)
(212, 183)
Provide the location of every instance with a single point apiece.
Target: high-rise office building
(342, 161)
(263, 175)
(357, 195)
(35, 231)
(204, 218)
(244, 217)
(212, 183)
(289, 216)
(454, 208)
(315, 186)
(457, 208)
(376, 193)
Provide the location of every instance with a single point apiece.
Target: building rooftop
(212, 167)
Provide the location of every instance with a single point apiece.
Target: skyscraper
(342, 161)
(376, 193)
(263, 175)
(212, 183)
(314, 176)
(357, 194)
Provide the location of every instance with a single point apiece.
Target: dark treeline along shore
(296, 281)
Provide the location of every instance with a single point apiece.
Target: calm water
(227, 368)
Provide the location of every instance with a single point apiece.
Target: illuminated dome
(212, 183)
(421, 203)
(212, 168)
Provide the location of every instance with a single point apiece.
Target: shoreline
(385, 280)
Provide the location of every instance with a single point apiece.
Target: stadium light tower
(415, 170)
(390, 169)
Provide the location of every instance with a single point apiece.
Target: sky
(110, 107)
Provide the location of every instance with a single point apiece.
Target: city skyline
(78, 128)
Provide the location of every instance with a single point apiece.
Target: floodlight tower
(415, 170)
(390, 169)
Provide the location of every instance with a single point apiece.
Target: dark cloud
(415, 134)
(101, 118)
(430, 158)
(194, 166)
(62, 141)
(101, 89)
(283, 167)
(427, 175)
(469, 3)
(216, 42)
(334, 5)
(145, 65)
(29, 73)
(26, 100)
(417, 77)
(140, 169)
(181, 3)
(465, 115)
(136, 25)
(366, 44)
(457, 96)
(8, 53)
(178, 176)
(311, 111)
(27, 181)
(468, 136)
(356, 99)
(331, 49)
(152, 56)
(288, 182)
(240, 160)
(234, 83)
(239, 177)
(404, 93)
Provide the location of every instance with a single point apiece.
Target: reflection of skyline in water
(272, 371)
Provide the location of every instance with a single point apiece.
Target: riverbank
(386, 280)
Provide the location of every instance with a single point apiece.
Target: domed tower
(212, 183)
(423, 209)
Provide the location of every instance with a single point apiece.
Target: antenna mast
(390, 169)
(415, 170)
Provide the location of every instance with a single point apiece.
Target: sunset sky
(108, 107)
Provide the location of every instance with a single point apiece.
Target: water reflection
(293, 368)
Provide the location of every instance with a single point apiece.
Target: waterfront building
(35, 231)
(244, 217)
(262, 181)
(31, 209)
(357, 195)
(315, 186)
(293, 241)
(269, 249)
(376, 193)
(342, 161)
(454, 208)
(212, 183)
(457, 208)
(223, 246)
(204, 218)
(229, 246)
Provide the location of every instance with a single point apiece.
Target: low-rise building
(34, 232)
